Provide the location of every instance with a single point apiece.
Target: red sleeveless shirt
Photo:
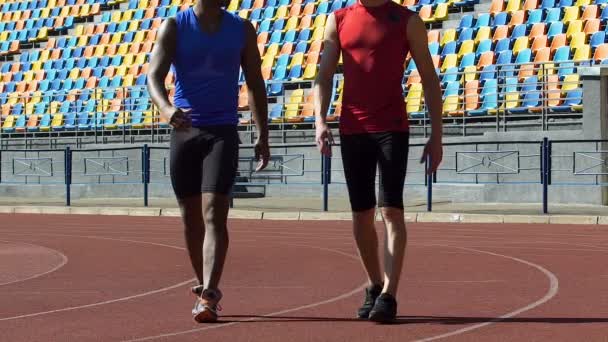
(374, 46)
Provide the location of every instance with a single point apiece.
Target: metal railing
(543, 164)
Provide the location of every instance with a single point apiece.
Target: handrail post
(68, 175)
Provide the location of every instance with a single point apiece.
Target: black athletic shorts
(204, 160)
(361, 155)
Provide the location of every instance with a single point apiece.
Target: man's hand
(176, 117)
(324, 139)
(433, 149)
(262, 153)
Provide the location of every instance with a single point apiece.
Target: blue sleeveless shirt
(206, 68)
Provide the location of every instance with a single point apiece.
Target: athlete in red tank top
(374, 47)
(374, 37)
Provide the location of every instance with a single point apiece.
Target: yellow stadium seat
(121, 70)
(116, 38)
(79, 30)
(116, 16)
(317, 34)
(83, 41)
(292, 23)
(46, 12)
(449, 61)
(570, 13)
(521, 43)
(28, 76)
(513, 5)
(127, 15)
(123, 49)
(449, 35)
(74, 73)
(100, 51)
(268, 61)
(65, 12)
(143, 4)
(413, 100)
(140, 37)
(134, 26)
(43, 34)
(9, 122)
(85, 10)
(233, 6)
(467, 46)
(273, 50)
(310, 72)
(140, 59)
(570, 83)
(297, 59)
(295, 100)
(441, 12)
(578, 39)
(4, 36)
(57, 121)
(244, 14)
(128, 60)
(128, 81)
(282, 12)
(320, 21)
(583, 3)
(37, 66)
(483, 33)
(575, 26)
(582, 53)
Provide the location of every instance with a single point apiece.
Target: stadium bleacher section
(78, 65)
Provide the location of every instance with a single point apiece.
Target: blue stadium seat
(304, 35)
(335, 5)
(499, 19)
(275, 37)
(573, 98)
(265, 25)
(504, 57)
(450, 75)
(290, 36)
(278, 25)
(295, 72)
(448, 48)
(465, 34)
(555, 28)
(524, 56)
(535, 16)
(565, 3)
(597, 39)
(518, 31)
(467, 60)
(44, 85)
(484, 46)
(488, 97)
(434, 48)
(466, 21)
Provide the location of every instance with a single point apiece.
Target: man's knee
(215, 210)
(393, 215)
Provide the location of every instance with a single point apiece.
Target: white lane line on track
(276, 313)
(551, 292)
(64, 261)
(117, 300)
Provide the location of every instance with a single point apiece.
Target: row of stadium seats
(16, 6)
(508, 6)
(82, 121)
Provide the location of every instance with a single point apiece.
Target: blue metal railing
(558, 163)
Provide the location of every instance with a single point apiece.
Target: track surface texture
(114, 278)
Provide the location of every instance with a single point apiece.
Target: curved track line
(276, 313)
(122, 299)
(64, 261)
(553, 289)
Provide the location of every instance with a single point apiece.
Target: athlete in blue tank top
(206, 46)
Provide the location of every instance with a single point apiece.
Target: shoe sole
(205, 316)
(380, 318)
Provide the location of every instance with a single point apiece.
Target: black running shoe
(384, 310)
(371, 293)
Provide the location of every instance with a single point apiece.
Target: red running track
(102, 278)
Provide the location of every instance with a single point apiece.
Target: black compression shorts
(204, 160)
(361, 154)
